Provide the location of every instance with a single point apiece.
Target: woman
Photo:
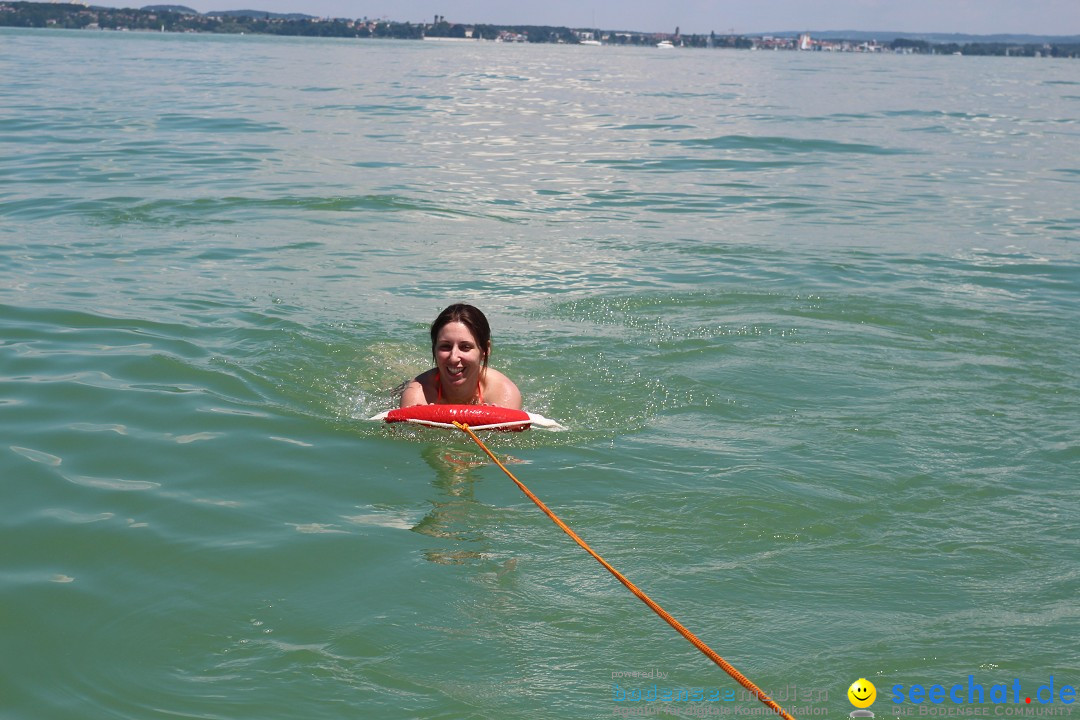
(460, 346)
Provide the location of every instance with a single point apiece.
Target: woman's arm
(501, 390)
(414, 394)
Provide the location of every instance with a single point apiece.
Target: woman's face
(457, 356)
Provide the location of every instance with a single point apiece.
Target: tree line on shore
(167, 19)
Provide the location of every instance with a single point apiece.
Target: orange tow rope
(694, 640)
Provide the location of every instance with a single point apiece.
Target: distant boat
(665, 45)
(590, 42)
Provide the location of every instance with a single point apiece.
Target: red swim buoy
(478, 417)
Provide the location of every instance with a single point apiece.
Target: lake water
(812, 321)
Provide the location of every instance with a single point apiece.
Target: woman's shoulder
(426, 380)
(501, 390)
(492, 373)
(420, 390)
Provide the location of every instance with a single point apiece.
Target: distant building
(507, 36)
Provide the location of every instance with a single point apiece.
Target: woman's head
(472, 319)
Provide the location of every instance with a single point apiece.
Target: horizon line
(883, 33)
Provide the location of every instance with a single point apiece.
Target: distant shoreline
(179, 19)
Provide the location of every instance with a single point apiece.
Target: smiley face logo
(862, 693)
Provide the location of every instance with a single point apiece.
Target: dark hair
(471, 318)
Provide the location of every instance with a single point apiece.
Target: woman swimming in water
(461, 346)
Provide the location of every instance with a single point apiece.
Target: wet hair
(471, 318)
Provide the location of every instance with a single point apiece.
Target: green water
(811, 321)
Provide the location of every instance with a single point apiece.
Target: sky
(747, 17)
